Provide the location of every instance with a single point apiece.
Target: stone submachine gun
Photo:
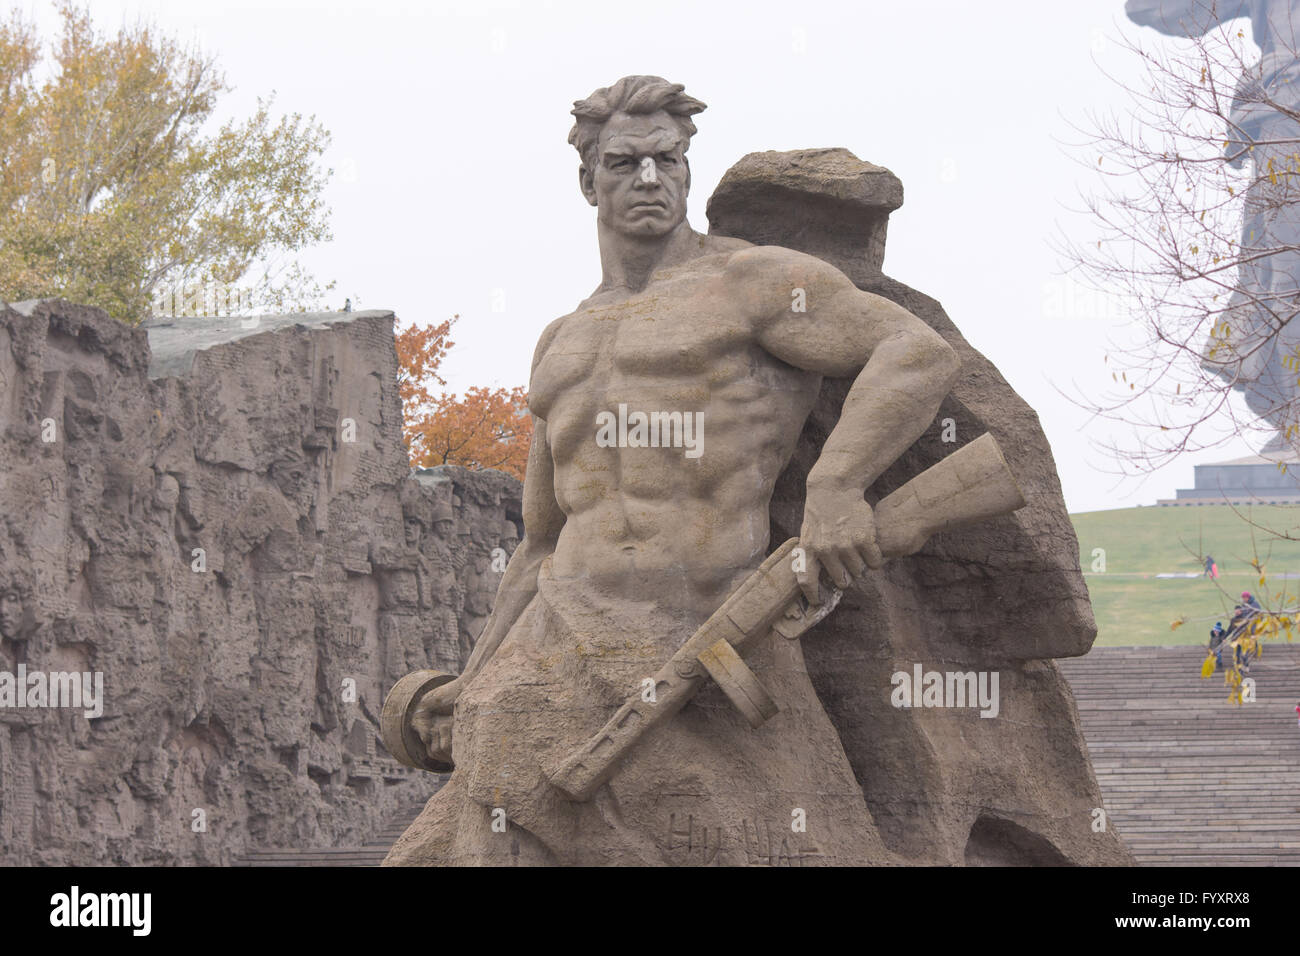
(970, 485)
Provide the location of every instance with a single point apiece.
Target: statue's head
(291, 474)
(509, 538)
(444, 521)
(413, 529)
(633, 138)
(11, 610)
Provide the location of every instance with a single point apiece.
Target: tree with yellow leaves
(1269, 615)
(111, 194)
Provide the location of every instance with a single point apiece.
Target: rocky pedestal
(944, 784)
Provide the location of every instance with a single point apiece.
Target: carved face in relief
(641, 179)
(11, 612)
(414, 530)
(166, 494)
(509, 537)
(292, 476)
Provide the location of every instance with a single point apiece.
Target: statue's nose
(649, 174)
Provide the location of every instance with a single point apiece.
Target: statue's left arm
(904, 370)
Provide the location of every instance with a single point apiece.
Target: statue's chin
(649, 229)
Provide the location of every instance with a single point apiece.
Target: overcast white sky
(455, 187)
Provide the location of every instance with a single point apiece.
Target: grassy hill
(1133, 606)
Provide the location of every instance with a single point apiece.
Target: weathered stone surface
(825, 202)
(270, 457)
(1004, 595)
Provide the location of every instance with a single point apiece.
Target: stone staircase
(1188, 778)
(370, 853)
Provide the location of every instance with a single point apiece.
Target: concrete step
(370, 853)
(1187, 777)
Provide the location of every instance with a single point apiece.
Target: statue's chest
(673, 332)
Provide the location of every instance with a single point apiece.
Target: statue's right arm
(543, 520)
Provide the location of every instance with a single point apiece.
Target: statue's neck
(628, 262)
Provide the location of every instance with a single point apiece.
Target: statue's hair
(632, 94)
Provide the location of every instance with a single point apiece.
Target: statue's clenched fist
(433, 719)
(839, 534)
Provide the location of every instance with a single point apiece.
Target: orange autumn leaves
(486, 428)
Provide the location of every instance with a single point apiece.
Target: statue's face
(444, 589)
(641, 179)
(11, 613)
(413, 531)
(290, 476)
(444, 528)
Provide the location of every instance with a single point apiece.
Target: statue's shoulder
(772, 255)
(777, 264)
(721, 245)
(731, 254)
(547, 337)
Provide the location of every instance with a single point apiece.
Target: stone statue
(509, 539)
(444, 648)
(665, 407)
(412, 530)
(1262, 129)
(16, 619)
(406, 584)
(444, 524)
